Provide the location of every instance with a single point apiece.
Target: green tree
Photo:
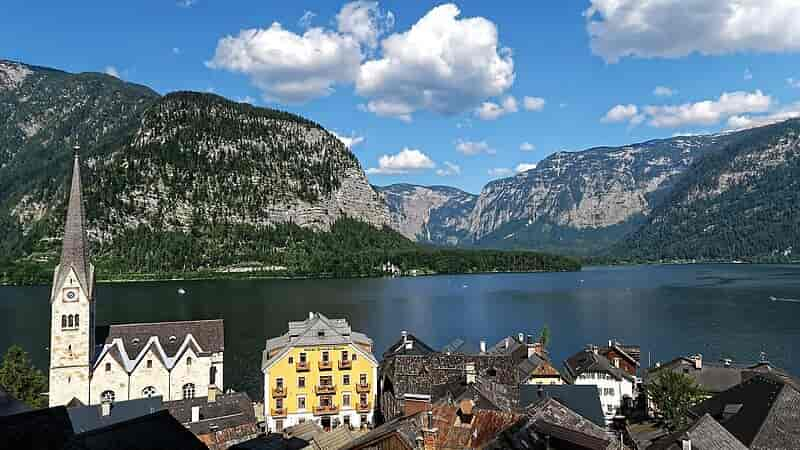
(673, 393)
(21, 379)
(544, 336)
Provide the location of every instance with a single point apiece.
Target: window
(326, 381)
(149, 363)
(77, 320)
(189, 361)
(149, 391)
(279, 425)
(325, 401)
(325, 356)
(107, 397)
(278, 403)
(610, 409)
(321, 333)
(188, 390)
(301, 403)
(344, 355)
(354, 356)
(363, 399)
(108, 367)
(279, 383)
(347, 421)
(362, 379)
(212, 375)
(64, 321)
(69, 349)
(71, 321)
(608, 392)
(346, 399)
(301, 382)
(302, 357)
(346, 380)
(291, 360)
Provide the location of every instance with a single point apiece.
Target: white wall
(605, 384)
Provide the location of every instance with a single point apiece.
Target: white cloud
(246, 99)
(747, 74)
(676, 28)
(403, 162)
(492, 111)
(500, 172)
(533, 103)
(620, 113)
(740, 122)
(305, 20)
(522, 167)
(349, 141)
(442, 64)
(111, 70)
(527, 147)
(449, 169)
(176, 51)
(288, 67)
(471, 148)
(708, 112)
(792, 82)
(663, 91)
(364, 21)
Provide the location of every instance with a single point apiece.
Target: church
(175, 360)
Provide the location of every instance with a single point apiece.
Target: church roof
(75, 250)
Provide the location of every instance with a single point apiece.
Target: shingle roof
(705, 434)
(10, 405)
(418, 347)
(209, 334)
(711, 377)
(87, 418)
(332, 440)
(41, 429)
(768, 417)
(582, 399)
(75, 249)
(228, 411)
(589, 361)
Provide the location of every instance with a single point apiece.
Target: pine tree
(21, 379)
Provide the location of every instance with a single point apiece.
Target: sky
(434, 93)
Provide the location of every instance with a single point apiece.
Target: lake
(720, 311)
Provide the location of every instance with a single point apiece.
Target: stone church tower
(72, 306)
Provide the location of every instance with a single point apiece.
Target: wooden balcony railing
(362, 407)
(329, 409)
(362, 388)
(279, 391)
(278, 412)
(302, 366)
(325, 365)
(345, 364)
(322, 389)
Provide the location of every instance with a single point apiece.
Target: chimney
(530, 340)
(507, 341)
(195, 414)
(429, 432)
(698, 361)
(686, 444)
(471, 373)
(105, 409)
(521, 338)
(610, 343)
(310, 315)
(404, 335)
(212, 394)
(483, 346)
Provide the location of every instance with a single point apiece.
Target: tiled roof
(589, 361)
(226, 412)
(87, 418)
(75, 249)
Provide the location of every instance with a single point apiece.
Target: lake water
(717, 310)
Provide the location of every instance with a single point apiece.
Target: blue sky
(435, 93)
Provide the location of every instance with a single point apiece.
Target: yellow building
(320, 371)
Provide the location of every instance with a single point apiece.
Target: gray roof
(87, 418)
(711, 377)
(209, 334)
(589, 361)
(582, 399)
(10, 405)
(75, 250)
(226, 412)
(705, 434)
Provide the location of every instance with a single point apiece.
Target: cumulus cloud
(471, 148)
(449, 169)
(621, 113)
(111, 70)
(491, 110)
(405, 161)
(533, 103)
(349, 141)
(442, 63)
(500, 172)
(364, 21)
(740, 122)
(289, 67)
(676, 28)
(708, 112)
(527, 147)
(663, 91)
(522, 167)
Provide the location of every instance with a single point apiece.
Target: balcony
(278, 412)
(363, 407)
(345, 364)
(325, 365)
(302, 366)
(326, 409)
(362, 388)
(325, 389)
(279, 391)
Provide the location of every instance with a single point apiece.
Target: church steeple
(75, 251)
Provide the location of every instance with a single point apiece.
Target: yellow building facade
(320, 371)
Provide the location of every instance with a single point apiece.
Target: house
(320, 370)
(613, 384)
(704, 434)
(581, 399)
(218, 420)
(625, 357)
(762, 412)
(443, 427)
(538, 370)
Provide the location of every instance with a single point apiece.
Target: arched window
(188, 390)
(77, 321)
(64, 321)
(71, 320)
(107, 397)
(212, 375)
(149, 391)
(189, 361)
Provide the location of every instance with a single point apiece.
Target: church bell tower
(72, 305)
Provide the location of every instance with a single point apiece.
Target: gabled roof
(581, 399)
(588, 361)
(459, 390)
(711, 377)
(418, 347)
(75, 249)
(630, 352)
(536, 366)
(226, 412)
(762, 412)
(705, 434)
(87, 418)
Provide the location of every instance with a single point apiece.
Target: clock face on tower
(71, 296)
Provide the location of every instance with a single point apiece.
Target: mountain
(179, 162)
(430, 214)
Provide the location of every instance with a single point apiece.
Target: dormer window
(135, 341)
(172, 339)
(320, 333)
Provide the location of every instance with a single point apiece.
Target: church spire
(75, 251)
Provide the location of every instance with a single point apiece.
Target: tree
(544, 337)
(673, 393)
(21, 379)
